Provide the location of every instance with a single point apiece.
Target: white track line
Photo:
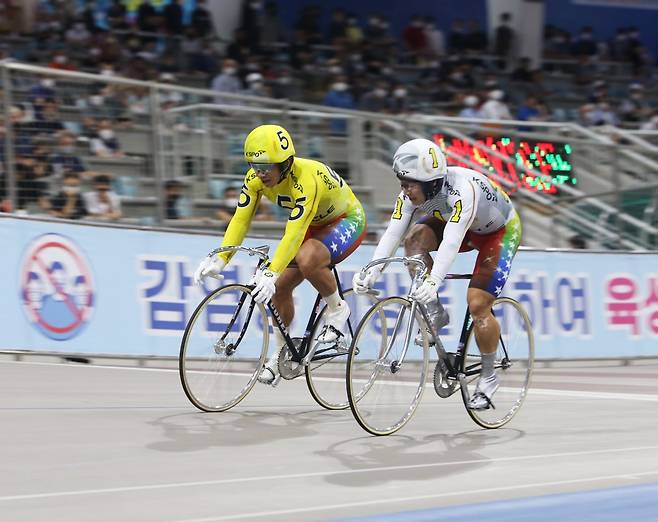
(532, 391)
(332, 507)
(319, 474)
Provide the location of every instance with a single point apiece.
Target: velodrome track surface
(82, 442)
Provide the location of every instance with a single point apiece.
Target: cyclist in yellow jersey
(326, 224)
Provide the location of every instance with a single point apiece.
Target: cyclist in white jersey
(451, 210)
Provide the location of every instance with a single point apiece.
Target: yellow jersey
(312, 192)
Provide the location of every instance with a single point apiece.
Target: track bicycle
(226, 340)
(388, 361)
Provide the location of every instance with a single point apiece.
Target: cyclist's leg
(424, 237)
(492, 267)
(282, 300)
(323, 247)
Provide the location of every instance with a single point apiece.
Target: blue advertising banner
(101, 290)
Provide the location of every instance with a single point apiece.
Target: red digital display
(552, 160)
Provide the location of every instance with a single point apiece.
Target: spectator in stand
(475, 39)
(414, 38)
(470, 109)
(495, 108)
(60, 61)
(68, 203)
(652, 121)
(251, 22)
(353, 33)
(376, 100)
(148, 20)
(227, 81)
(31, 175)
(436, 44)
(102, 203)
(577, 242)
(116, 16)
(64, 159)
(457, 40)
(173, 193)
(47, 121)
(201, 20)
(529, 109)
(105, 143)
(399, 103)
(230, 203)
(256, 85)
(523, 72)
(504, 40)
(337, 26)
(339, 96)
(172, 15)
(78, 37)
(585, 44)
(272, 32)
(635, 108)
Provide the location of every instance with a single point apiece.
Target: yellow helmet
(268, 144)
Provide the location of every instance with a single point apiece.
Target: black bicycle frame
(297, 353)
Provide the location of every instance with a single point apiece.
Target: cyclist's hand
(264, 289)
(362, 283)
(210, 266)
(427, 292)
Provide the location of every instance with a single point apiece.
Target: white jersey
(467, 201)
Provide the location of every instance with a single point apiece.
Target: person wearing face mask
(339, 95)
(102, 203)
(326, 223)
(68, 203)
(61, 61)
(230, 203)
(105, 143)
(400, 100)
(227, 82)
(376, 100)
(65, 158)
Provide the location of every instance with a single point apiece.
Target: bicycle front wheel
(325, 374)
(515, 356)
(386, 368)
(223, 348)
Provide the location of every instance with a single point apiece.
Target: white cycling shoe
(270, 372)
(484, 391)
(335, 324)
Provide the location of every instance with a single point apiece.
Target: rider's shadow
(195, 431)
(453, 454)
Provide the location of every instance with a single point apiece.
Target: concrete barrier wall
(97, 290)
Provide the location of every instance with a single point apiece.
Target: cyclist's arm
(304, 205)
(239, 225)
(397, 227)
(463, 213)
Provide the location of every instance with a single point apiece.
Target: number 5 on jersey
(296, 210)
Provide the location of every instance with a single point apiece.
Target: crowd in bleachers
(353, 63)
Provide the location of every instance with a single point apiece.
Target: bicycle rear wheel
(325, 375)
(514, 361)
(223, 348)
(384, 390)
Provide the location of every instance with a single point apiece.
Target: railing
(192, 138)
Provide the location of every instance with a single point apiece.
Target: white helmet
(421, 160)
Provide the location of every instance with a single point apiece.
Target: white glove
(362, 283)
(210, 266)
(264, 289)
(427, 292)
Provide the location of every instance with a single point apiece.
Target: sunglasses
(263, 167)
